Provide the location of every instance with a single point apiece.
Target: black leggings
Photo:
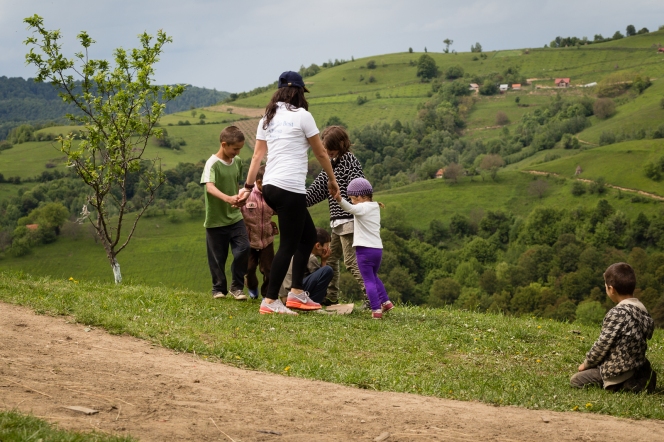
(298, 237)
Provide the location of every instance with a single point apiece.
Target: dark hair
(260, 173)
(231, 135)
(336, 138)
(621, 277)
(293, 96)
(322, 236)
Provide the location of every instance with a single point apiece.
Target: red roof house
(32, 226)
(440, 173)
(562, 82)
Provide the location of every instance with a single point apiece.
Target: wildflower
(576, 408)
(71, 278)
(589, 405)
(539, 326)
(237, 357)
(287, 368)
(75, 282)
(538, 361)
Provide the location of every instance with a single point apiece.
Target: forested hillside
(24, 101)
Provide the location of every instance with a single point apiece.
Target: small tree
(454, 72)
(476, 48)
(229, 110)
(119, 107)
(604, 108)
(202, 116)
(501, 118)
(371, 64)
(410, 50)
(631, 30)
(426, 67)
(538, 188)
(448, 43)
(194, 113)
(491, 163)
(453, 171)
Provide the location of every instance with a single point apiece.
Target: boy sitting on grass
(223, 220)
(318, 275)
(617, 360)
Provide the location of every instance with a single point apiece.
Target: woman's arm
(260, 149)
(319, 151)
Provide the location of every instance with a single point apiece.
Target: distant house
(593, 84)
(440, 173)
(32, 226)
(516, 87)
(562, 82)
(504, 87)
(474, 87)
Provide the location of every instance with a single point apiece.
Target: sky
(238, 45)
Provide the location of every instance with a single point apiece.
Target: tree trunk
(116, 271)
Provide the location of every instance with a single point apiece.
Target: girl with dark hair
(346, 168)
(285, 134)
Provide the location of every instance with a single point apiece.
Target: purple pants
(368, 260)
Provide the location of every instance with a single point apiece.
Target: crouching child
(617, 360)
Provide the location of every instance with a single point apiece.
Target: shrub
(454, 72)
(607, 138)
(361, 100)
(640, 84)
(372, 79)
(598, 186)
(661, 103)
(426, 67)
(502, 118)
(604, 108)
(578, 188)
(6, 145)
(371, 64)
(590, 313)
(410, 50)
(570, 142)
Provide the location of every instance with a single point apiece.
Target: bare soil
(154, 394)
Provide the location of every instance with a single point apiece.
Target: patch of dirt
(624, 189)
(47, 363)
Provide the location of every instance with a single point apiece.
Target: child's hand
(582, 367)
(325, 253)
(333, 188)
(232, 200)
(337, 197)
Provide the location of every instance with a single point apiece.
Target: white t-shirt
(287, 147)
(367, 223)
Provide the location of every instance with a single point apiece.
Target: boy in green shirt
(223, 220)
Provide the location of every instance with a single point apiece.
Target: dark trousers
(261, 259)
(218, 239)
(316, 283)
(298, 236)
(644, 378)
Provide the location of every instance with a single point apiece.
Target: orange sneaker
(276, 307)
(301, 301)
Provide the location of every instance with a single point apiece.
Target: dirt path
(47, 363)
(624, 189)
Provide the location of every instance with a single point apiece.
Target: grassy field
(641, 112)
(17, 427)
(172, 255)
(433, 352)
(620, 164)
(29, 159)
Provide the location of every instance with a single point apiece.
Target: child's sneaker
(238, 295)
(301, 301)
(218, 295)
(276, 307)
(386, 306)
(377, 314)
(253, 293)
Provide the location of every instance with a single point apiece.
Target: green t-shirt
(226, 178)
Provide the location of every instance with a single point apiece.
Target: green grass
(445, 353)
(620, 164)
(29, 159)
(172, 255)
(641, 112)
(485, 109)
(17, 427)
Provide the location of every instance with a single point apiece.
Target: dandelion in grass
(576, 408)
(287, 368)
(539, 326)
(538, 361)
(589, 405)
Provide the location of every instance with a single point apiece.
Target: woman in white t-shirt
(285, 133)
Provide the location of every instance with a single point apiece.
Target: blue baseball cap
(290, 78)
